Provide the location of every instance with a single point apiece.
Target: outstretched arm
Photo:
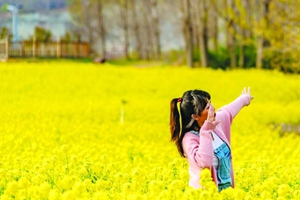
(243, 100)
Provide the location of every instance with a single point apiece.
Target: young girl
(203, 136)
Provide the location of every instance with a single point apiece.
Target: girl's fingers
(211, 114)
(211, 111)
(246, 90)
(216, 123)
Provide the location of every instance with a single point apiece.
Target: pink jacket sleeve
(232, 109)
(198, 152)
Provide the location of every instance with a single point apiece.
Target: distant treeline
(206, 33)
(216, 33)
(41, 35)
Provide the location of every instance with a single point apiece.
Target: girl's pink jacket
(199, 150)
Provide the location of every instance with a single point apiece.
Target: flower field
(84, 131)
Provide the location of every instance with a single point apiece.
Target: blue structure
(14, 10)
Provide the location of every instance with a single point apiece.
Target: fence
(39, 49)
(4, 49)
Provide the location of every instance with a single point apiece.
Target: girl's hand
(211, 116)
(247, 93)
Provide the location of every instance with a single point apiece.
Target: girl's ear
(194, 117)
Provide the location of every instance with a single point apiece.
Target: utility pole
(14, 10)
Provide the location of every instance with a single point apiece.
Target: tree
(136, 29)
(201, 10)
(155, 25)
(282, 35)
(88, 16)
(263, 21)
(243, 29)
(147, 43)
(101, 26)
(124, 19)
(214, 25)
(5, 33)
(187, 30)
(42, 35)
(231, 31)
(229, 16)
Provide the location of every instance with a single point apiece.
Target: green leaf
(3, 7)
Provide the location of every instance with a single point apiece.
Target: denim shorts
(224, 167)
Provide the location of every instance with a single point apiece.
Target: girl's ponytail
(176, 122)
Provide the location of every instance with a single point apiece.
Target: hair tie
(179, 112)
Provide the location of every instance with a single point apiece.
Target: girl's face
(200, 119)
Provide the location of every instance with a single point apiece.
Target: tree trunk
(242, 55)
(215, 29)
(231, 35)
(155, 20)
(136, 30)
(248, 9)
(196, 30)
(259, 52)
(232, 51)
(89, 28)
(187, 30)
(124, 19)
(148, 33)
(102, 31)
(243, 32)
(203, 32)
(260, 38)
